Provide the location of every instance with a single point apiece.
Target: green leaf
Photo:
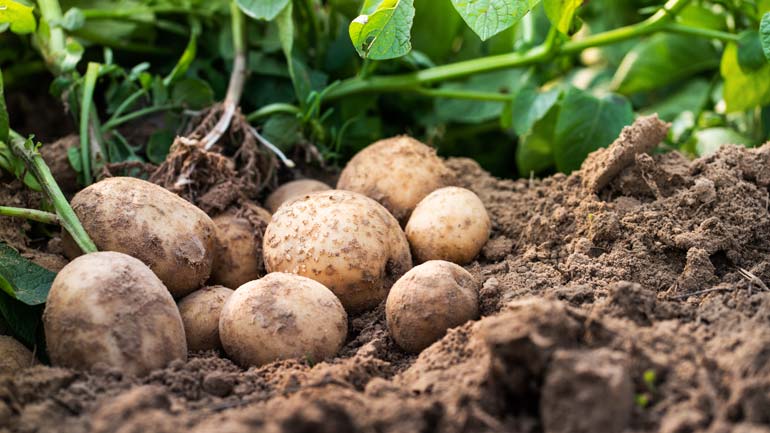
(5, 127)
(193, 93)
(663, 59)
(490, 17)
(708, 141)
(691, 97)
(470, 111)
(530, 105)
(587, 123)
(22, 279)
(159, 144)
(72, 20)
(283, 130)
(534, 153)
(19, 16)
(750, 54)
(561, 12)
(23, 320)
(743, 90)
(382, 30)
(262, 9)
(764, 35)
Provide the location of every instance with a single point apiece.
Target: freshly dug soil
(628, 296)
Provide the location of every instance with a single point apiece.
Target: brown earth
(639, 307)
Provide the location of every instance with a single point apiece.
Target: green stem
(133, 12)
(414, 80)
(270, 109)
(29, 214)
(50, 11)
(67, 218)
(464, 94)
(702, 32)
(117, 121)
(92, 73)
(126, 104)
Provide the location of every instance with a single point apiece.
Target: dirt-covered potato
(427, 301)
(13, 355)
(282, 316)
(293, 189)
(238, 253)
(449, 224)
(398, 172)
(109, 308)
(200, 312)
(170, 235)
(344, 240)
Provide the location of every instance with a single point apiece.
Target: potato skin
(109, 308)
(200, 311)
(282, 316)
(344, 240)
(238, 246)
(170, 235)
(449, 224)
(427, 301)
(398, 172)
(14, 356)
(291, 190)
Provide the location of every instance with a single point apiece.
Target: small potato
(292, 190)
(109, 308)
(170, 235)
(344, 240)
(200, 312)
(238, 253)
(449, 224)
(427, 301)
(14, 356)
(398, 172)
(282, 316)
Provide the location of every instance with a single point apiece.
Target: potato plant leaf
(490, 17)
(382, 31)
(262, 9)
(586, 123)
(743, 90)
(534, 153)
(561, 12)
(18, 15)
(708, 141)
(750, 54)
(4, 124)
(764, 35)
(22, 279)
(22, 320)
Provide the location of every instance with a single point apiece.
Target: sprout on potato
(282, 316)
(398, 172)
(292, 190)
(449, 224)
(344, 240)
(238, 250)
(170, 235)
(13, 355)
(427, 301)
(109, 308)
(200, 311)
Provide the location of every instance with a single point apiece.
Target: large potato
(292, 190)
(109, 308)
(344, 240)
(398, 172)
(238, 254)
(200, 312)
(449, 224)
(282, 316)
(13, 355)
(170, 235)
(427, 301)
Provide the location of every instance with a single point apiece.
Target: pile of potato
(297, 274)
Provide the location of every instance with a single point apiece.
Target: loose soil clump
(628, 296)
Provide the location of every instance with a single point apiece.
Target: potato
(427, 301)
(14, 356)
(282, 316)
(170, 235)
(108, 308)
(344, 240)
(238, 247)
(200, 312)
(398, 172)
(292, 190)
(449, 224)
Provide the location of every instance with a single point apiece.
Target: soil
(629, 296)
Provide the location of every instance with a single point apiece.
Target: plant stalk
(29, 214)
(24, 150)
